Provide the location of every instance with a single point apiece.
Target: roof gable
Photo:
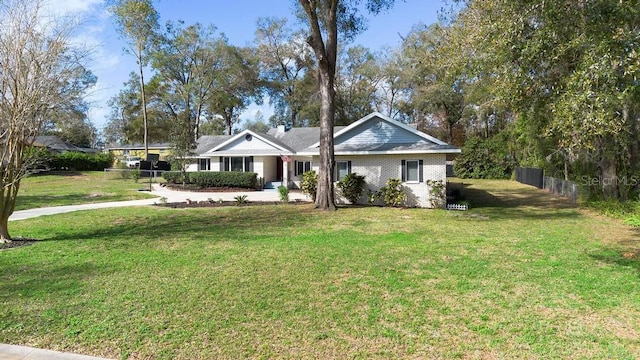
(376, 128)
(248, 140)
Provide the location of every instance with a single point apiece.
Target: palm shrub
(393, 193)
(240, 199)
(309, 184)
(352, 187)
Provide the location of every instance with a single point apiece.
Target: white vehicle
(132, 161)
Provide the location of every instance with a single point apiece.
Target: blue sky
(235, 18)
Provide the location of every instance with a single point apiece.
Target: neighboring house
(56, 145)
(375, 146)
(120, 151)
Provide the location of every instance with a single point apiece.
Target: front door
(279, 176)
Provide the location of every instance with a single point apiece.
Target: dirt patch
(17, 243)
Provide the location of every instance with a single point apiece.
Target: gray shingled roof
(276, 141)
(299, 138)
(208, 142)
(54, 143)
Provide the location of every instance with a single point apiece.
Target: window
(412, 171)
(237, 163)
(204, 164)
(343, 168)
(302, 167)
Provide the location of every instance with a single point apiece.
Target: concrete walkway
(160, 192)
(264, 195)
(15, 352)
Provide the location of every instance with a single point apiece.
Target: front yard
(521, 275)
(72, 188)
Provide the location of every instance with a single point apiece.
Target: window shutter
(221, 168)
(227, 164)
(421, 176)
(295, 168)
(404, 170)
(348, 167)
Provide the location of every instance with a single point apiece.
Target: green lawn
(76, 188)
(521, 275)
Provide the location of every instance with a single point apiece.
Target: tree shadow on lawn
(45, 281)
(620, 258)
(517, 201)
(24, 202)
(57, 173)
(193, 224)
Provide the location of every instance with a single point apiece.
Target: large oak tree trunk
(325, 198)
(326, 51)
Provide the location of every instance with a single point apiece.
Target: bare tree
(38, 76)
(286, 59)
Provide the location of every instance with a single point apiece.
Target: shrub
(309, 184)
(485, 158)
(284, 193)
(207, 179)
(240, 199)
(39, 159)
(136, 174)
(437, 193)
(393, 193)
(352, 187)
(80, 161)
(173, 177)
(212, 179)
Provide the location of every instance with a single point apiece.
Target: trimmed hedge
(212, 179)
(80, 161)
(173, 177)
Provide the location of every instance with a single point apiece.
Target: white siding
(378, 169)
(265, 167)
(215, 163)
(192, 167)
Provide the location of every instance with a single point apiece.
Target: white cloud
(95, 33)
(72, 6)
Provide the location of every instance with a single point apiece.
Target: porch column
(285, 173)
